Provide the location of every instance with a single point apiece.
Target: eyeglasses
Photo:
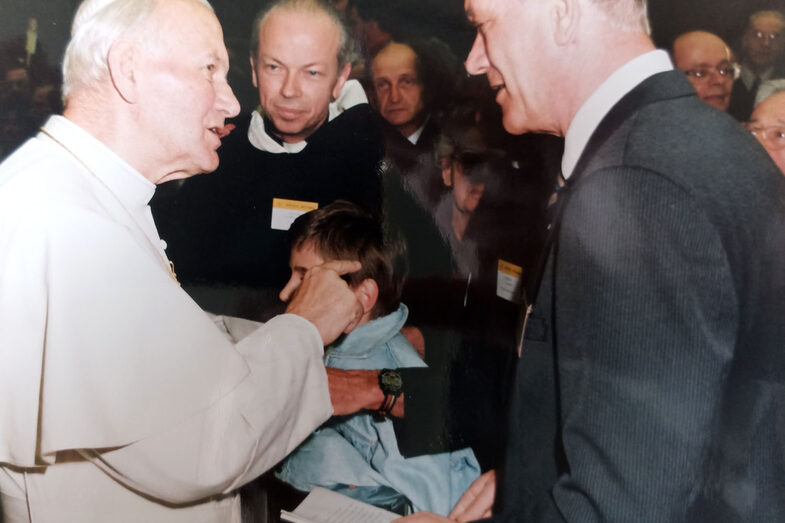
(771, 37)
(726, 70)
(772, 137)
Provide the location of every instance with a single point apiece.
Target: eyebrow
(263, 56)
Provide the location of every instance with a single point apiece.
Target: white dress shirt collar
(591, 113)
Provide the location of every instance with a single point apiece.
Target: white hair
(626, 15)
(97, 25)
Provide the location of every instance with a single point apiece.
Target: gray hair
(345, 44)
(629, 15)
(97, 25)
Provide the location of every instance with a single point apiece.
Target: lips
(288, 113)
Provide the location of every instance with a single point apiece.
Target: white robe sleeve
(101, 349)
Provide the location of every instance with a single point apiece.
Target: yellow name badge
(286, 211)
(508, 281)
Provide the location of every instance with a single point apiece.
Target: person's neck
(410, 128)
(460, 221)
(98, 115)
(759, 70)
(594, 65)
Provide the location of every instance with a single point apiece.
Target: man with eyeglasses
(706, 60)
(767, 124)
(762, 46)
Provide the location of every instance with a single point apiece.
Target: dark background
(444, 18)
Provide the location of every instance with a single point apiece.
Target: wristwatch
(391, 383)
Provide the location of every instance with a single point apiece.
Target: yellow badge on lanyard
(286, 211)
(508, 281)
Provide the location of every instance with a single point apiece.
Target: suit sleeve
(644, 324)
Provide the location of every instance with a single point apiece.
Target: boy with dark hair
(358, 455)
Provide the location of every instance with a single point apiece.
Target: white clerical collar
(352, 94)
(594, 109)
(132, 189)
(415, 136)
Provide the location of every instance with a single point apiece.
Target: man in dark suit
(762, 45)
(651, 380)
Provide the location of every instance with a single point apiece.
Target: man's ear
(123, 62)
(343, 75)
(567, 14)
(367, 292)
(446, 165)
(253, 72)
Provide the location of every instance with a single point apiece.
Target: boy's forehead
(305, 255)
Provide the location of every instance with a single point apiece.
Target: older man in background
(767, 124)
(762, 46)
(122, 400)
(706, 60)
(651, 380)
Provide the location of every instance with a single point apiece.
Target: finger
(482, 501)
(289, 289)
(482, 487)
(342, 266)
(356, 318)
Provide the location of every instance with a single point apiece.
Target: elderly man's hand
(324, 299)
(477, 501)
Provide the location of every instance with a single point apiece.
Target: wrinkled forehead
(396, 56)
(767, 24)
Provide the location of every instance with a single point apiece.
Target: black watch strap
(391, 384)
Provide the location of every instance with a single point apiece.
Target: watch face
(390, 382)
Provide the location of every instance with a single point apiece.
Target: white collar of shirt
(748, 77)
(415, 136)
(352, 94)
(594, 109)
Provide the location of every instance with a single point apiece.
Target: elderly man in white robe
(121, 399)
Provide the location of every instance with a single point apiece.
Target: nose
(477, 61)
(715, 78)
(226, 101)
(395, 93)
(290, 87)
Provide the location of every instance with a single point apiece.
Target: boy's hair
(345, 231)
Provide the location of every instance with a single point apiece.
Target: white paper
(326, 506)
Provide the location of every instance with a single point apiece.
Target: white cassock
(100, 349)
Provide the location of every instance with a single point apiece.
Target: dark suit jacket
(742, 101)
(651, 386)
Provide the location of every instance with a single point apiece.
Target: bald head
(707, 61)
(768, 124)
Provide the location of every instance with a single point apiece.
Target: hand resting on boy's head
(323, 298)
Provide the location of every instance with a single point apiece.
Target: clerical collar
(262, 136)
(613, 89)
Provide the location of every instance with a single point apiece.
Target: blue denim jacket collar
(365, 338)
